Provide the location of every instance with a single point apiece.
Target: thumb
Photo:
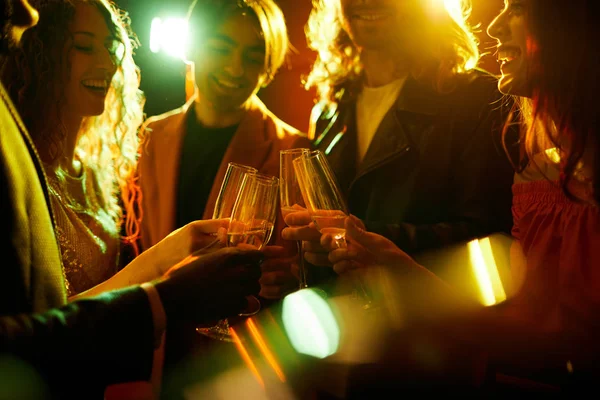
(356, 233)
(357, 221)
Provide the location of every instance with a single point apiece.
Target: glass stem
(301, 267)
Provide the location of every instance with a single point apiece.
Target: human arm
(84, 339)
(158, 259)
(110, 338)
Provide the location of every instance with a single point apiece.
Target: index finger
(306, 233)
(208, 225)
(298, 218)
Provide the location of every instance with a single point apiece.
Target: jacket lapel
(250, 146)
(403, 128)
(170, 144)
(340, 146)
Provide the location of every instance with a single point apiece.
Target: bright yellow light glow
(553, 155)
(454, 8)
(459, 11)
(170, 36)
(486, 272)
(310, 324)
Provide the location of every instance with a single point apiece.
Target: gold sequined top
(88, 235)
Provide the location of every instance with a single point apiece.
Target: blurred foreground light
(486, 272)
(310, 324)
(169, 36)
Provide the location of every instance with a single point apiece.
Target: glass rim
(295, 150)
(265, 177)
(242, 166)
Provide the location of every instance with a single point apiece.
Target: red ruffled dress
(560, 239)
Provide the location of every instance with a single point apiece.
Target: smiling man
(237, 48)
(411, 128)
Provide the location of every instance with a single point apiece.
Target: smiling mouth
(228, 85)
(508, 54)
(96, 85)
(373, 14)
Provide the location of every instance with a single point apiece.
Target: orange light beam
(265, 349)
(246, 357)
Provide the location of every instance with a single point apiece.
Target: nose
(24, 15)
(235, 68)
(106, 61)
(498, 28)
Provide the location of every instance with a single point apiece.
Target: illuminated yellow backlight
(486, 272)
(459, 11)
(310, 324)
(454, 8)
(170, 36)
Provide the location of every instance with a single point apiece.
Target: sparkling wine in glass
(253, 215)
(291, 197)
(324, 201)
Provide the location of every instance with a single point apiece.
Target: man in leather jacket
(412, 131)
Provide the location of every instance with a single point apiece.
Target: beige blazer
(256, 143)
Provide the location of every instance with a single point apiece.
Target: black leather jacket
(435, 173)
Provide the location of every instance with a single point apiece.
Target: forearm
(416, 238)
(104, 340)
(141, 269)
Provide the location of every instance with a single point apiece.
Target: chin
(509, 85)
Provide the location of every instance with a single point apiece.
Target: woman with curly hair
(76, 85)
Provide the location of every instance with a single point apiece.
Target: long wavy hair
(449, 47)
(108, 142)
(562, 73)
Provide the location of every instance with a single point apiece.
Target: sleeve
(481, 180)
(90, 342)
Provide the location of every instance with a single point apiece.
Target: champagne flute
(290, 196)
(228, 194)
(254, 212)
(230, 189)
(324, 201)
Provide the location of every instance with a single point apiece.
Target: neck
(210, 117)
(380, 68)
(67, 161)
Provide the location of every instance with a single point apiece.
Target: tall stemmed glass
(324, 201)
(291, 196)
(251, 224)
(230, 190)
(254, 212)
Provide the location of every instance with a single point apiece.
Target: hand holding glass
(291, 197)
(324, 201)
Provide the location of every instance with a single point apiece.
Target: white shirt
(371, 106)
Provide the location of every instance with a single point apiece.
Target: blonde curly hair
(449, 48)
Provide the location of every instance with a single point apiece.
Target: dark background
(163, 77)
